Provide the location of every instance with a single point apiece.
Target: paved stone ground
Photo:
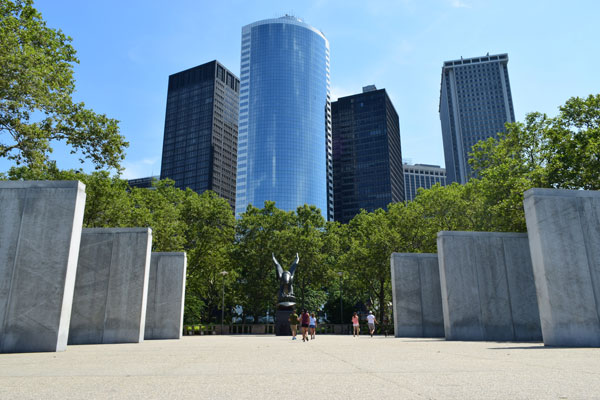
(331, 367)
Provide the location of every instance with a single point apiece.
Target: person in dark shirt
(293, 324)
(305, 321)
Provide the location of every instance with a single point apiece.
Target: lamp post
(223, 273)
(341, 302)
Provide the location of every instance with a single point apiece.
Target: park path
(331, 367)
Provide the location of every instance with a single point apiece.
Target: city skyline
(127, 56)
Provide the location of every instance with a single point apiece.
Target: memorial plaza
(331, 367)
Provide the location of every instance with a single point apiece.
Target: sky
(128, 49)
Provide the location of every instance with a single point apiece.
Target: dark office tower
(475, 103)
(201, 127)
(421, 176)
(143, 183)
(367, 157)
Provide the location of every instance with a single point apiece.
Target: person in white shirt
(312, 325)
(371, 321)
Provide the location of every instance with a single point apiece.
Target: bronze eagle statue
(286, 279)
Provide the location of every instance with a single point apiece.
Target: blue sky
(127, 50)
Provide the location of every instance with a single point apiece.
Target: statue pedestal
(282, 324)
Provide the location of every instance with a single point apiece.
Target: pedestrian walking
(355, 325)
(385, 325)
(371, 321)
(312, 325)
(304, 322)
(293, 319)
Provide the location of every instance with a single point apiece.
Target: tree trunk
(381, 300)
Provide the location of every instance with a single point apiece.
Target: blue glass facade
(284, 141)
(475, 103)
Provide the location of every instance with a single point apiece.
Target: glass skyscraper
(201, 125)
(475, 103)
(284, 141)
(367, 155)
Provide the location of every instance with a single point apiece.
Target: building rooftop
(369, 88)
(476, 60)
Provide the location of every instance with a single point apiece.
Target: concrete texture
(40, 229)
(488, 290)
(416, 295)
(564, 235)
(109, 304)
(166, 295)
(330, 367)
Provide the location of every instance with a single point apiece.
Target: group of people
(371, 321)
(308, 323)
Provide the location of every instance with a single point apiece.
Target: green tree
(36, 88)
(160, 209)
(306, 237)
(260, 233)
(560, 152)
(371, 240)
(574, 145)
(258, 236)
(208, 230)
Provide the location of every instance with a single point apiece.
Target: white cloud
(140, 168)
(459, 4)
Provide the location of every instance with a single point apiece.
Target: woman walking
(355, 325)
(304, 321)
(312, 325)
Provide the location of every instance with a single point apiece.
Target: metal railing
(269, 329)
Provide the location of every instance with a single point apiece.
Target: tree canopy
(36, 88)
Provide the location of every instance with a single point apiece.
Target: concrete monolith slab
(488, 290)
(166, 295)
(40, 229)
(416, 295)
(564, 236)
(111, 289)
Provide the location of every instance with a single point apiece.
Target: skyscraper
(201, 127)
(143, 183)
(421, 176)
(475, 103)
(284, 146)
(367, 156)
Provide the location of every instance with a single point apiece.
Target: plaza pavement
(330, 367)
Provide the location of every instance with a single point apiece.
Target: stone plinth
(416, 295)
(40, 229)
(166, 295)
(488, 291)
(109, 304)
(282, 323)
(564, 236)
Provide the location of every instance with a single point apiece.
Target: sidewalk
(331, 367)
